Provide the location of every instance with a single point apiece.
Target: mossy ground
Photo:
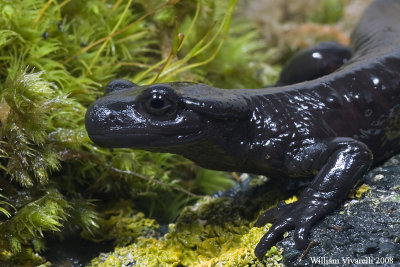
(216, 231)
(56, 56)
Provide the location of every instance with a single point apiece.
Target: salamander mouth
(143, 140)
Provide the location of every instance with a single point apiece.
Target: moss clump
(31, 103)
(44, 214)
(122, 224)
(210, 237)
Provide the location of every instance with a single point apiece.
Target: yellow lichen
(291, 200)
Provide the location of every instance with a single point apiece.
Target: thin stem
(196, 15)
(42, 11)
(171, 55)
(63, 4)
(116, 5)
(156, 181)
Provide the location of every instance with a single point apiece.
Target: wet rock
(365, 231)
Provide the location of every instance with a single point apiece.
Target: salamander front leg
(341, 162)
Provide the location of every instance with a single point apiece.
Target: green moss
(329, 12)
(31, 101)
(202, 236)
(124, 225)
(44, 214)
(5, 203)
(210, 182)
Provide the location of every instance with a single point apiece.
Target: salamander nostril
(120, 84)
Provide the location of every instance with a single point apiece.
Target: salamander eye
(159, 104)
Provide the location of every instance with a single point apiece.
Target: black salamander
(329, 128)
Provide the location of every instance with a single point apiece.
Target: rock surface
(363, 232)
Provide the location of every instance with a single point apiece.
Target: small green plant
(27, 226)
(4, 202)
(31, 102)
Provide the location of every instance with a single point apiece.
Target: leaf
(7, 37)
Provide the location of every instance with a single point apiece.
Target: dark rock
(363, 232)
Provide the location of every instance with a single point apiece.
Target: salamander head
(161, 115)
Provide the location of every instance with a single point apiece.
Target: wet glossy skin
(314, 62)
(331, 129)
